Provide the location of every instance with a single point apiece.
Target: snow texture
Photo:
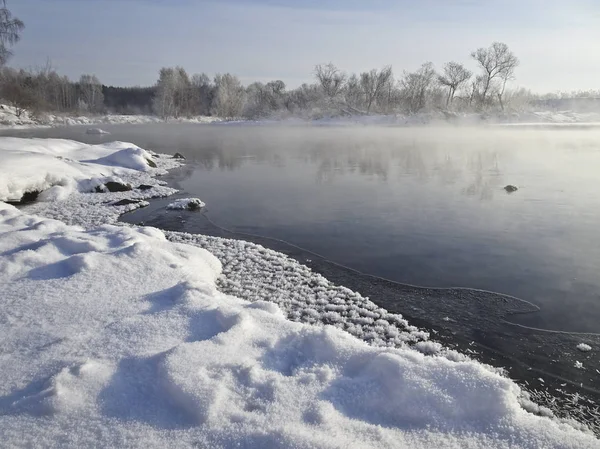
(9, 119)
(584, 347)
(117, 336)
(96, 131)
(186, 204)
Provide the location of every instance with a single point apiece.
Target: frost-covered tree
(264, 100)
(229, 97)
(17, 88)
(330, 78)
(91, 97)
(497, 64)
(416, 86)
(173, 90)
(353, 94)
(10, 32)
(375, 83)
(202, 93)
(455, 75)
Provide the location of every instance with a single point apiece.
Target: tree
(230, 96)
(373, 84)
(10, 32)
(455, 75)
(415, 87)
(18, 89)
(90, 93)
(330, 78)
(497, 63)
(202, 94)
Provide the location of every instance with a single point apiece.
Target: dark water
(422, 206)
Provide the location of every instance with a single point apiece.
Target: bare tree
(10, 32)
(497, 62)
(415, 87)
(455, 75)
(330, 78)
(373, 84)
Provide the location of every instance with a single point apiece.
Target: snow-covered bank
(10, 119)
(113, 336)
(116, 337)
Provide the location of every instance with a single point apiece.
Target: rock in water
(113, 186)
(28, 197)
(96, 131)
(125, 202)
(510, 188)
(186, 204)
(178, 156)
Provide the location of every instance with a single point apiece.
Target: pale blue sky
(125, 42)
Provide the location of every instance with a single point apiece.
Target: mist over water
(420, 205)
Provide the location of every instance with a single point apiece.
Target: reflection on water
(422, 206)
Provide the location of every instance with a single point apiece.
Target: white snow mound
(94, 131)
(116, 337)
(186, 204)
(39, 164)
(583, 347)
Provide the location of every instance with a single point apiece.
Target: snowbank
(10, 119)
(115, 337)
(65, 166)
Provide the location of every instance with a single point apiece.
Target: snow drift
(116, 337)
(40, 164)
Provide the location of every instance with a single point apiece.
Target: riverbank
(11, 118)
(132, 343)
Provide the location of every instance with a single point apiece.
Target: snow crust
(115, 336)
(64, 165)
(584, 347)
(9, 119)
(186, 204)
(98, 131)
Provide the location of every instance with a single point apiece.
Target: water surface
(421, 206)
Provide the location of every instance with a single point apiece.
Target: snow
(9, 119)
(40, 164)
(584, 347)
(121, 336)
(96, 131)
(186, 204)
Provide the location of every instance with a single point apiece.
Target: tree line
(332, 92)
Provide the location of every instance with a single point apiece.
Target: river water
(423, 206)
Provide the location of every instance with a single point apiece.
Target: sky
(126, 42)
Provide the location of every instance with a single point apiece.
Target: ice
(117, 336)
